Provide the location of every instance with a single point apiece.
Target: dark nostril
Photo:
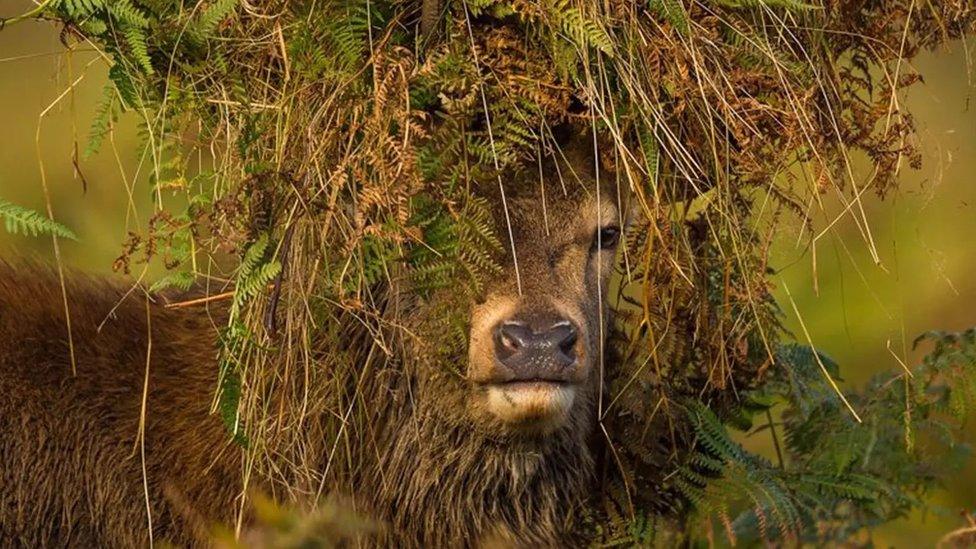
(565, 336)
(513, 335)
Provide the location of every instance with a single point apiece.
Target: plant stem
(28, 15)
(779, 452)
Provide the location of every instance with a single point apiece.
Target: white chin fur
(531, 402)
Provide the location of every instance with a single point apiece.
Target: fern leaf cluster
(584, 31)
(20, 220)
(121, 25)
(838, 476)
(212, 15)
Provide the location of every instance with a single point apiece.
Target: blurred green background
(860, 313)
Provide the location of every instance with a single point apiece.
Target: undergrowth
(833, 478)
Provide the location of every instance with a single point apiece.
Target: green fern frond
(584, 31)
(135, 37)
(124, 84)
(78, 8)
(93, 27)
(852, 487)
(479, 7)
(20, 220)
(712, 433)
(182, 280)
(228, 402)
(212, 16)
(125, 13)
(791, 5)
(673, 11)
(253, 256)
(106, 114)
(652, 153)
(350, 33)
(258, 281)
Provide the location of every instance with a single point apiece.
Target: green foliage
(257, 281)
(673, 11)
(125, 13)
(792, 5)
(20, 220)
(332, 523)
(228, 403)
(136, 39)
(952, 361)
(584, 31)
(212, 15)
(255, 272)
(79, 8)
(836, 476)
(125, 85)
(106, 114)
(182, 280)
(121, 25)
(456, 248)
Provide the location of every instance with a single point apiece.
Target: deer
(124, 449)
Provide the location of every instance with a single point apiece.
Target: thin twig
(26, 15)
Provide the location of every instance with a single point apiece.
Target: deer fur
(70, 445)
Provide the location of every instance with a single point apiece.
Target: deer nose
(542, 352)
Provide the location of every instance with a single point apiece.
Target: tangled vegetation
(340, 155)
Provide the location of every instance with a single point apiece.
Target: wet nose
(536, 350)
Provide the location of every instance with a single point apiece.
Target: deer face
(507, 420)
(536, 339)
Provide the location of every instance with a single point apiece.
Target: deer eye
(606, 238)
